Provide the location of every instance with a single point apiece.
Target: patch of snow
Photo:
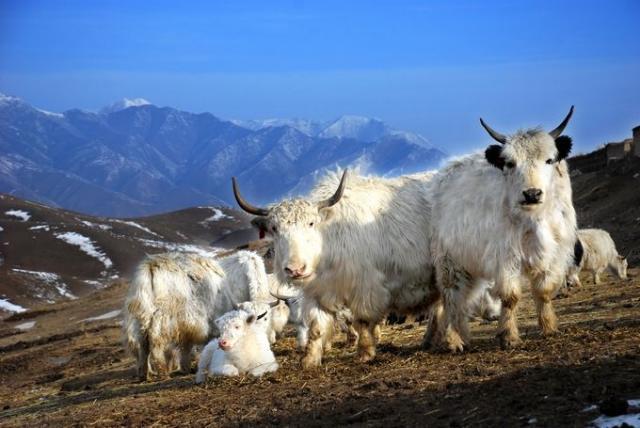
(48, 113)
(44, 227)
(106, 316)
(6, 305)
(631, 419)
(136, 225)
(93, 283)
(25, 325)
(8, 98)
(217, 215)
(85, 245)
(22, 215)
(182, 248)
(50, 278)
(124, 104)
(95, 225)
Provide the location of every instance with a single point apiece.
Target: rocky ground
(60, 367)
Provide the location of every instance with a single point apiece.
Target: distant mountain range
(134, 158)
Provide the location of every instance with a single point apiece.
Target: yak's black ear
(563, 144)
(262, 224)
(494, 156)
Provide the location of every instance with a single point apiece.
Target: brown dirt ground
(66, 372)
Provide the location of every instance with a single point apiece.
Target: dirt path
(65, 371)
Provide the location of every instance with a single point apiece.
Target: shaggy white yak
(507, 217)
(364, 246)
(598, 255)
(242, 348)
(174, 298)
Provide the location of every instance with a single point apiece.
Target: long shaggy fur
(482, 232)
(174, 299)
(370, 254)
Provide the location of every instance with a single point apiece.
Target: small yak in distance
(506, 217)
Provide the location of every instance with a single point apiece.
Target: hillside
(609, 198)
(48, 254)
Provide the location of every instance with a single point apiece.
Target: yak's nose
(532, 196)
(223, 344)
(295, 271)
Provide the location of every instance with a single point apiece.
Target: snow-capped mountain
(124, 104)
(134, 158)
(348, 126)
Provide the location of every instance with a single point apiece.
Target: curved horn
(558, 131)
(244, 204)
(500, 138)
(283, 298)
(337, 195)
(274, 304)
(261, 316)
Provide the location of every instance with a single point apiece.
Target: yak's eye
(549, 161)
(311, 224)
(510, 164)
(274, 229)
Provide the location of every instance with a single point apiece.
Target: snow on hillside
(183, 248)
(22, 215)
(138, 226)
(217, 215)
(95, 225)
(6, 305)
(86, 245)
(44, 227)
(108, 315)
(49, 278)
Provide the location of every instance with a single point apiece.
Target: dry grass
(69, 373)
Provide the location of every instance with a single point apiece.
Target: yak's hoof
(366, 355)
(309, 362)
(509, 341)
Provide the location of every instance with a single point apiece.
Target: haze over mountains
(134, 158)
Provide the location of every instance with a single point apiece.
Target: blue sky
(430, 67)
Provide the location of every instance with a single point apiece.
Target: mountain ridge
(134, 158)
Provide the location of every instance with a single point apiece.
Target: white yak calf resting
(243, 346)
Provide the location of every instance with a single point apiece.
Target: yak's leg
(185, 358)
(596, 277)
(366, 340)
(543, 291)
(320, 332)
(435, 313)
(352, 335)
(159, 348)
(509, 290)
(142, 356)
(454, 285)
